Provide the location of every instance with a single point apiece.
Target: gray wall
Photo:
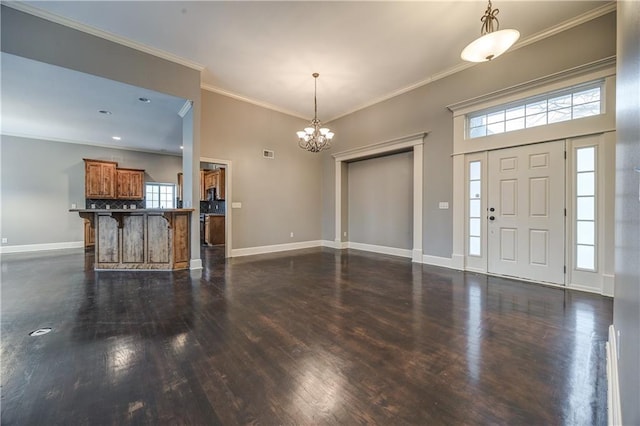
(425, 109)
(381, 201)
(40, 180)
(278, 196)
(626, 306)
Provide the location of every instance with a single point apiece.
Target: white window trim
(601, 70)
(503, 110)
(476, 263)
(602, 126)
(601, 280)
(159, 184)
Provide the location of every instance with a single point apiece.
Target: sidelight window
(475, 209)
(585, 224)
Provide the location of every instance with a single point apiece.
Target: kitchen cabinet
(220, 186)
(140, 239)
(99, 179)
(180, 186)
(210, 179)
(214, 232)
(203, 190)
(130, 184)
(89, 234)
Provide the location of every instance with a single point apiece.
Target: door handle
(491, 209)
(492, 218)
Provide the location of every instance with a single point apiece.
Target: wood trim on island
(140, 239)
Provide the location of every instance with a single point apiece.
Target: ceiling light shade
(492, 42)
(315, 138)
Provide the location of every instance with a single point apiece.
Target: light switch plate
(236, 205)
(443, 205)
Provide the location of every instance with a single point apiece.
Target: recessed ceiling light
(145, 100)
(104, 111)
(116, 138)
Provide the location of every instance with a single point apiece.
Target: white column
(417, 202)
(338, 215)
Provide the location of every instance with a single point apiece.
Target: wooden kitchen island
(130, 239)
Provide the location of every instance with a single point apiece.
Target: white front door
(525, 212)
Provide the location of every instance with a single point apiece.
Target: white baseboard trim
(195, 264)
(586, 289)
(445, 262)
(41, 247)
(382, 249)
(614, 408)
(338, 245)
(475, 270)
(457, 261)
(250, 251)
(608, 284)
(416, 256)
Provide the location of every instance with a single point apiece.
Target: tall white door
(526, 212)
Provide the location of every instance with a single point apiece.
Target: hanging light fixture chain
(315, 96)
(315, 138)
(493, 41)
(490, 15)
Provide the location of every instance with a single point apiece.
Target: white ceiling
(49, 102)
(265, 52)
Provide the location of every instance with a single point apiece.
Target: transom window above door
(584, 100)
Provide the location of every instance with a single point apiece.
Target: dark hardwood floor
(309, 337)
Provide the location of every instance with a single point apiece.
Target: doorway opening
(215, 208)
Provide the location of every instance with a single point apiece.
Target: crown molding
(604, 64)
(566, 25)
(563, 26)
(52, 17)
(266, 105)
(549, 32)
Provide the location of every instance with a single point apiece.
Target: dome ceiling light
(493, 42)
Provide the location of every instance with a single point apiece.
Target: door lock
(492, 218)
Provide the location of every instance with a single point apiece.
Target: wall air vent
(266, 153)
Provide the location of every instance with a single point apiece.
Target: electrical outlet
(344, 234)
(292, 235)
(4, 241)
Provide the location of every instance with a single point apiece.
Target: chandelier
(492, 41)
(315, 138)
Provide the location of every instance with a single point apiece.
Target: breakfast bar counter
(130, 239)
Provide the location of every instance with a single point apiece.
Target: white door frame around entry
(227, 205)
(412, 142)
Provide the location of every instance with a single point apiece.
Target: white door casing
(526, 229)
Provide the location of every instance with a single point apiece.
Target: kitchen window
(160, 196)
